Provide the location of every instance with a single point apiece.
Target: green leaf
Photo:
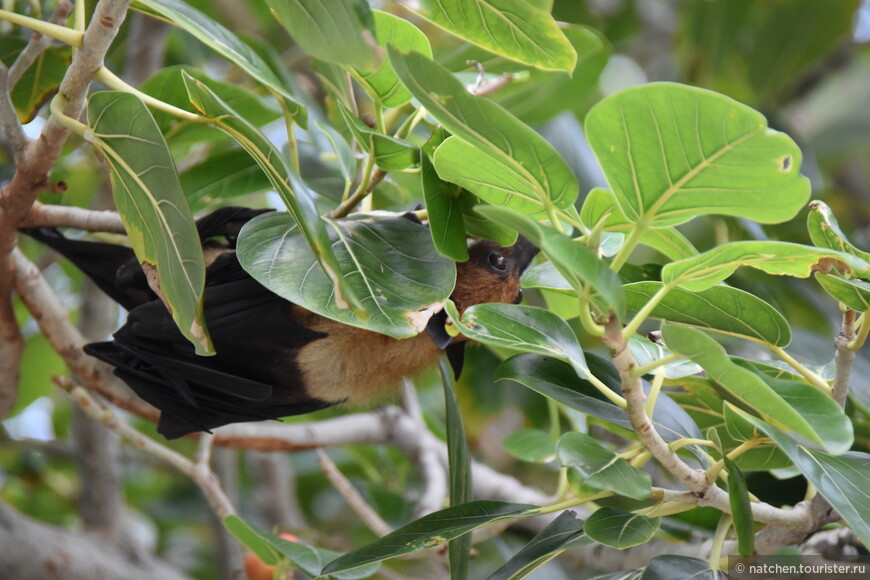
(391, 154)
(741, 509)
(389, 263)
(40, 81)
(558, 381)
(618, 529)
(544, 94)
(646, 351)
(579, 264)
(516, 29)
(601, 468)
(600, 207)
(565, 532)
(821, 411)
(505, 151)
(843, 480)
(853, 293)
(445, 213)
(748, 387)
(431, 530)
(334, 31)
(225, 43)
(297, 197)
(343, 152)
(777, 258)
(383, 84)
(271, 549)
(152, 206)
(720, 308)
(222, 177)
(671, 567)
(522, 328)
(168, 86)
(825, 232)
(532, 445)
(672, 152)
(459, 460)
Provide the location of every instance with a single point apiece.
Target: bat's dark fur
(274, 358)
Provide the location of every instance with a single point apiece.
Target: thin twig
(203, 477)
(353, 498)
(53, 216)
(37, 44)
(844, 358)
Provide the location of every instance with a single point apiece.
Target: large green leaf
(579, 264)
(522, 328)
(291, 188)
(618, 529)
(566, 531)
(825, 232)
(383, 84)
(225, 43)
(672, 567)
(721, 308)
(516, 29)
(748, 387)
(389, 263)
(779, 258)
(672, 152)
(428, 531)
(221, 177)
(601, 468)
(842, 480)
(333, 30)
(492, 154)
(152, 206)
(600, 207)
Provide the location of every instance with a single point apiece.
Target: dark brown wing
(252, 377)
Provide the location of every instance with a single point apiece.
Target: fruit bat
(274, 358)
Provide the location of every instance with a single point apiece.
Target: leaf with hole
(672, 152)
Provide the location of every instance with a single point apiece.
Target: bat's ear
(437, 331)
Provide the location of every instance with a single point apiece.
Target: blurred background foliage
(804, 63)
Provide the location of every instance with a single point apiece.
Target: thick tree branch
(33, 164)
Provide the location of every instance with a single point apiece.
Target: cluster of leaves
(670, 153)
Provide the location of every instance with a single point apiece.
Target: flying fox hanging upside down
(274, 358)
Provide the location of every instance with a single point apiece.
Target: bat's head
(492, 273)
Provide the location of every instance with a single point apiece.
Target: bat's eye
(498, 261)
